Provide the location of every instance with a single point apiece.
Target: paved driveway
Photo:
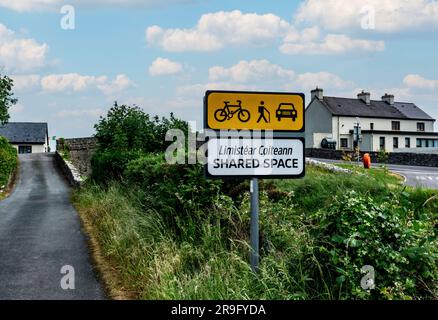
(40, 232)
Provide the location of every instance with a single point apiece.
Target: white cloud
(217, 30)
(390, 15)
(119, 84)
(262, 75)
(25, 82)
(419, 82)
(309, 81)
(162, 66)
(198, 90)
(68, 113)
(74, 82)
(17, 54)
(70, 82)
(222, 29)
(308, 42)
(255, 70)
(52, 5)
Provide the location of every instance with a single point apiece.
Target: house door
(24, 149)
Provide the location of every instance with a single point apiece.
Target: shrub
(179, 191)
(127, 128)
(8, 161)
(109, 164)
(399, 242)
(125, 134)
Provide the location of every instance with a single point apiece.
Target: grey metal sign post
(246, 155)
(254, 229)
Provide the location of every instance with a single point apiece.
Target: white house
(27, 137)
(385, 124)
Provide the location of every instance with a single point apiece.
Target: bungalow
(383, 124)
(27, 137)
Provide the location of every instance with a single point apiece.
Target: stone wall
(69, 171)
(412, 159)
(81, 151)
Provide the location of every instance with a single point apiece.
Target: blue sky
(163, 55)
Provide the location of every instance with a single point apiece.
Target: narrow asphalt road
(426, 177)
(40, 232)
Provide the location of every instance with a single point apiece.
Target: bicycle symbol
(227, 112)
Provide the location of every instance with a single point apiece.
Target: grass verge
(316, 233)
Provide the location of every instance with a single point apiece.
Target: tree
(125, 134)
(129, 128)
(6, 98)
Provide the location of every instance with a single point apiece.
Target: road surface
(40, 232)
(416, 176)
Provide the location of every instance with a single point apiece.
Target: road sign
(240, 110)
(255, 157)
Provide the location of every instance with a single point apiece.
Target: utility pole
(357, 132)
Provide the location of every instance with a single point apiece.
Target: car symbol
(286, 110)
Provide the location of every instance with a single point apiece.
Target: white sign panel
(256, 157)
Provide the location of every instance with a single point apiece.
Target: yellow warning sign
(233, 110)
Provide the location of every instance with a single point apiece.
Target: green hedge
(8, 161)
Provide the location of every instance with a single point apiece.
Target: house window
(395, 142)
(407, 142)
(396, 125)
(344, 143)
(24, 149)
(371, 126)
(420, 126)
(427, 143)
(382, 143)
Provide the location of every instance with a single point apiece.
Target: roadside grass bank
(316, 234)
(163, 231)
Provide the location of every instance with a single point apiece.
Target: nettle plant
(399, 242)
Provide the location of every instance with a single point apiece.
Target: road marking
(426, 178)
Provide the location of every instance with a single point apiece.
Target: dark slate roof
(25, 132)
(412, 111)
(377, 109)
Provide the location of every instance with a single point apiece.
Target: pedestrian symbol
(263, 111)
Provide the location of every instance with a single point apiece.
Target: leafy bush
(125, 134)
(127, 128)
(8, 161)
(178, 191)
(109, 165)
(399, 242)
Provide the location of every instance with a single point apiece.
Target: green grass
(318, 188)
(202, 253)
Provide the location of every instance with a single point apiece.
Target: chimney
(389, 99)
(318, 93)
(365, 97)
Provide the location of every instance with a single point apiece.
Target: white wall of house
(36, 148)
(318, 124)
(347, 123)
